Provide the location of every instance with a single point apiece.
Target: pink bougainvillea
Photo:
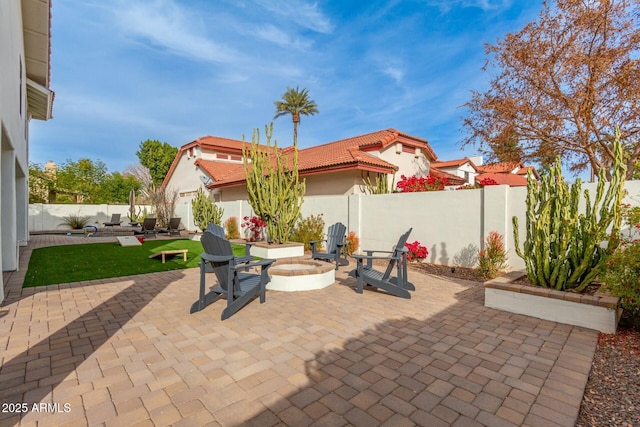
(414, 184)
(417, 252)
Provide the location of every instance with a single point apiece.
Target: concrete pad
(128, 241)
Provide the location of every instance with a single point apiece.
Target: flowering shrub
(254, 227)
(232, 228)
(417, 252)
(479, 184)
(352, 243)
(492, 258)
(307, 230)
(414, 184)
(622, 270)
(622, 276)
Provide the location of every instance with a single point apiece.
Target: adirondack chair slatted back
(335, 235)
(397, 250)
(215, 229)
(215, 245)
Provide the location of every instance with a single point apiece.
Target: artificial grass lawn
(76, 263)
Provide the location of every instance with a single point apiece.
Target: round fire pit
(300, 275)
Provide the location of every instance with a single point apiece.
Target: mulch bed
(612, 394)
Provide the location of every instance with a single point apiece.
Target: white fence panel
(451, 224)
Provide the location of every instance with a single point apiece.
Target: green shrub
(621, 273)
(75, 221)
(622, 277)
(308, 229)
(492, 258)
(231, 224)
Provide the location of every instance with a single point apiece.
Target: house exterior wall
(13, 137)
(408, 164)
(186, 178)
(460, 171)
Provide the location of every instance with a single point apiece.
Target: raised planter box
(273, 251)
(600, 312)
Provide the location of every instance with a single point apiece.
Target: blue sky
(174, 70)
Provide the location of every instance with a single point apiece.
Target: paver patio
(126, 351)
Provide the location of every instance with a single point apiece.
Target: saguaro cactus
(273, 186)
(205, 210)
(563, 248)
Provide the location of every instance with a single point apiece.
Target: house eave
(39, 101)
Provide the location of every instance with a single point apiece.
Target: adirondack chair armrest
(247, 248)
(313, 244)
(357, 257)
(215, 258)
(260, 263)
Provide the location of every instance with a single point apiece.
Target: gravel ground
(612, 394)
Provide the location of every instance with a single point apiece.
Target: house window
(466, 176)
(408, 149)
(236, 158)
(20, 88)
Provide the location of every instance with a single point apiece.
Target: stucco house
(472, 170)
(24, 95)
(334, 168)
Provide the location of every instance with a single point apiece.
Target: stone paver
(126, 351)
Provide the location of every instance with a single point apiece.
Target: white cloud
(275, 35)
(304, 14)
(446, 5)
(395, 73)
(174, 28)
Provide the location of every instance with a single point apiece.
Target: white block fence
(451, 224)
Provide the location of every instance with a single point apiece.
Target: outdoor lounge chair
(398, 285)
(174, 227)
(239, 287)
(115, 220)
(336, 241)
(219, 231)
(148, 227)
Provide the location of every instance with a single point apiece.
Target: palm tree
(296, 102)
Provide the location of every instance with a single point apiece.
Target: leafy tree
(295, 102)
(116, 188)
(84, 177)
(157, 157)
(563, 84)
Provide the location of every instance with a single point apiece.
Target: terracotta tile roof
(453, 179)
(220, 171)
(349, 153)
(504, 167)
(504, 178)
(452, 163)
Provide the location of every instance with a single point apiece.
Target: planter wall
(600, 311)
(273, 251)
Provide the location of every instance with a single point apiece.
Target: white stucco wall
(13, 137)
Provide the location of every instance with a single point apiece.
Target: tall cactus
(205, 210)
(273, 186)
(563, 248)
